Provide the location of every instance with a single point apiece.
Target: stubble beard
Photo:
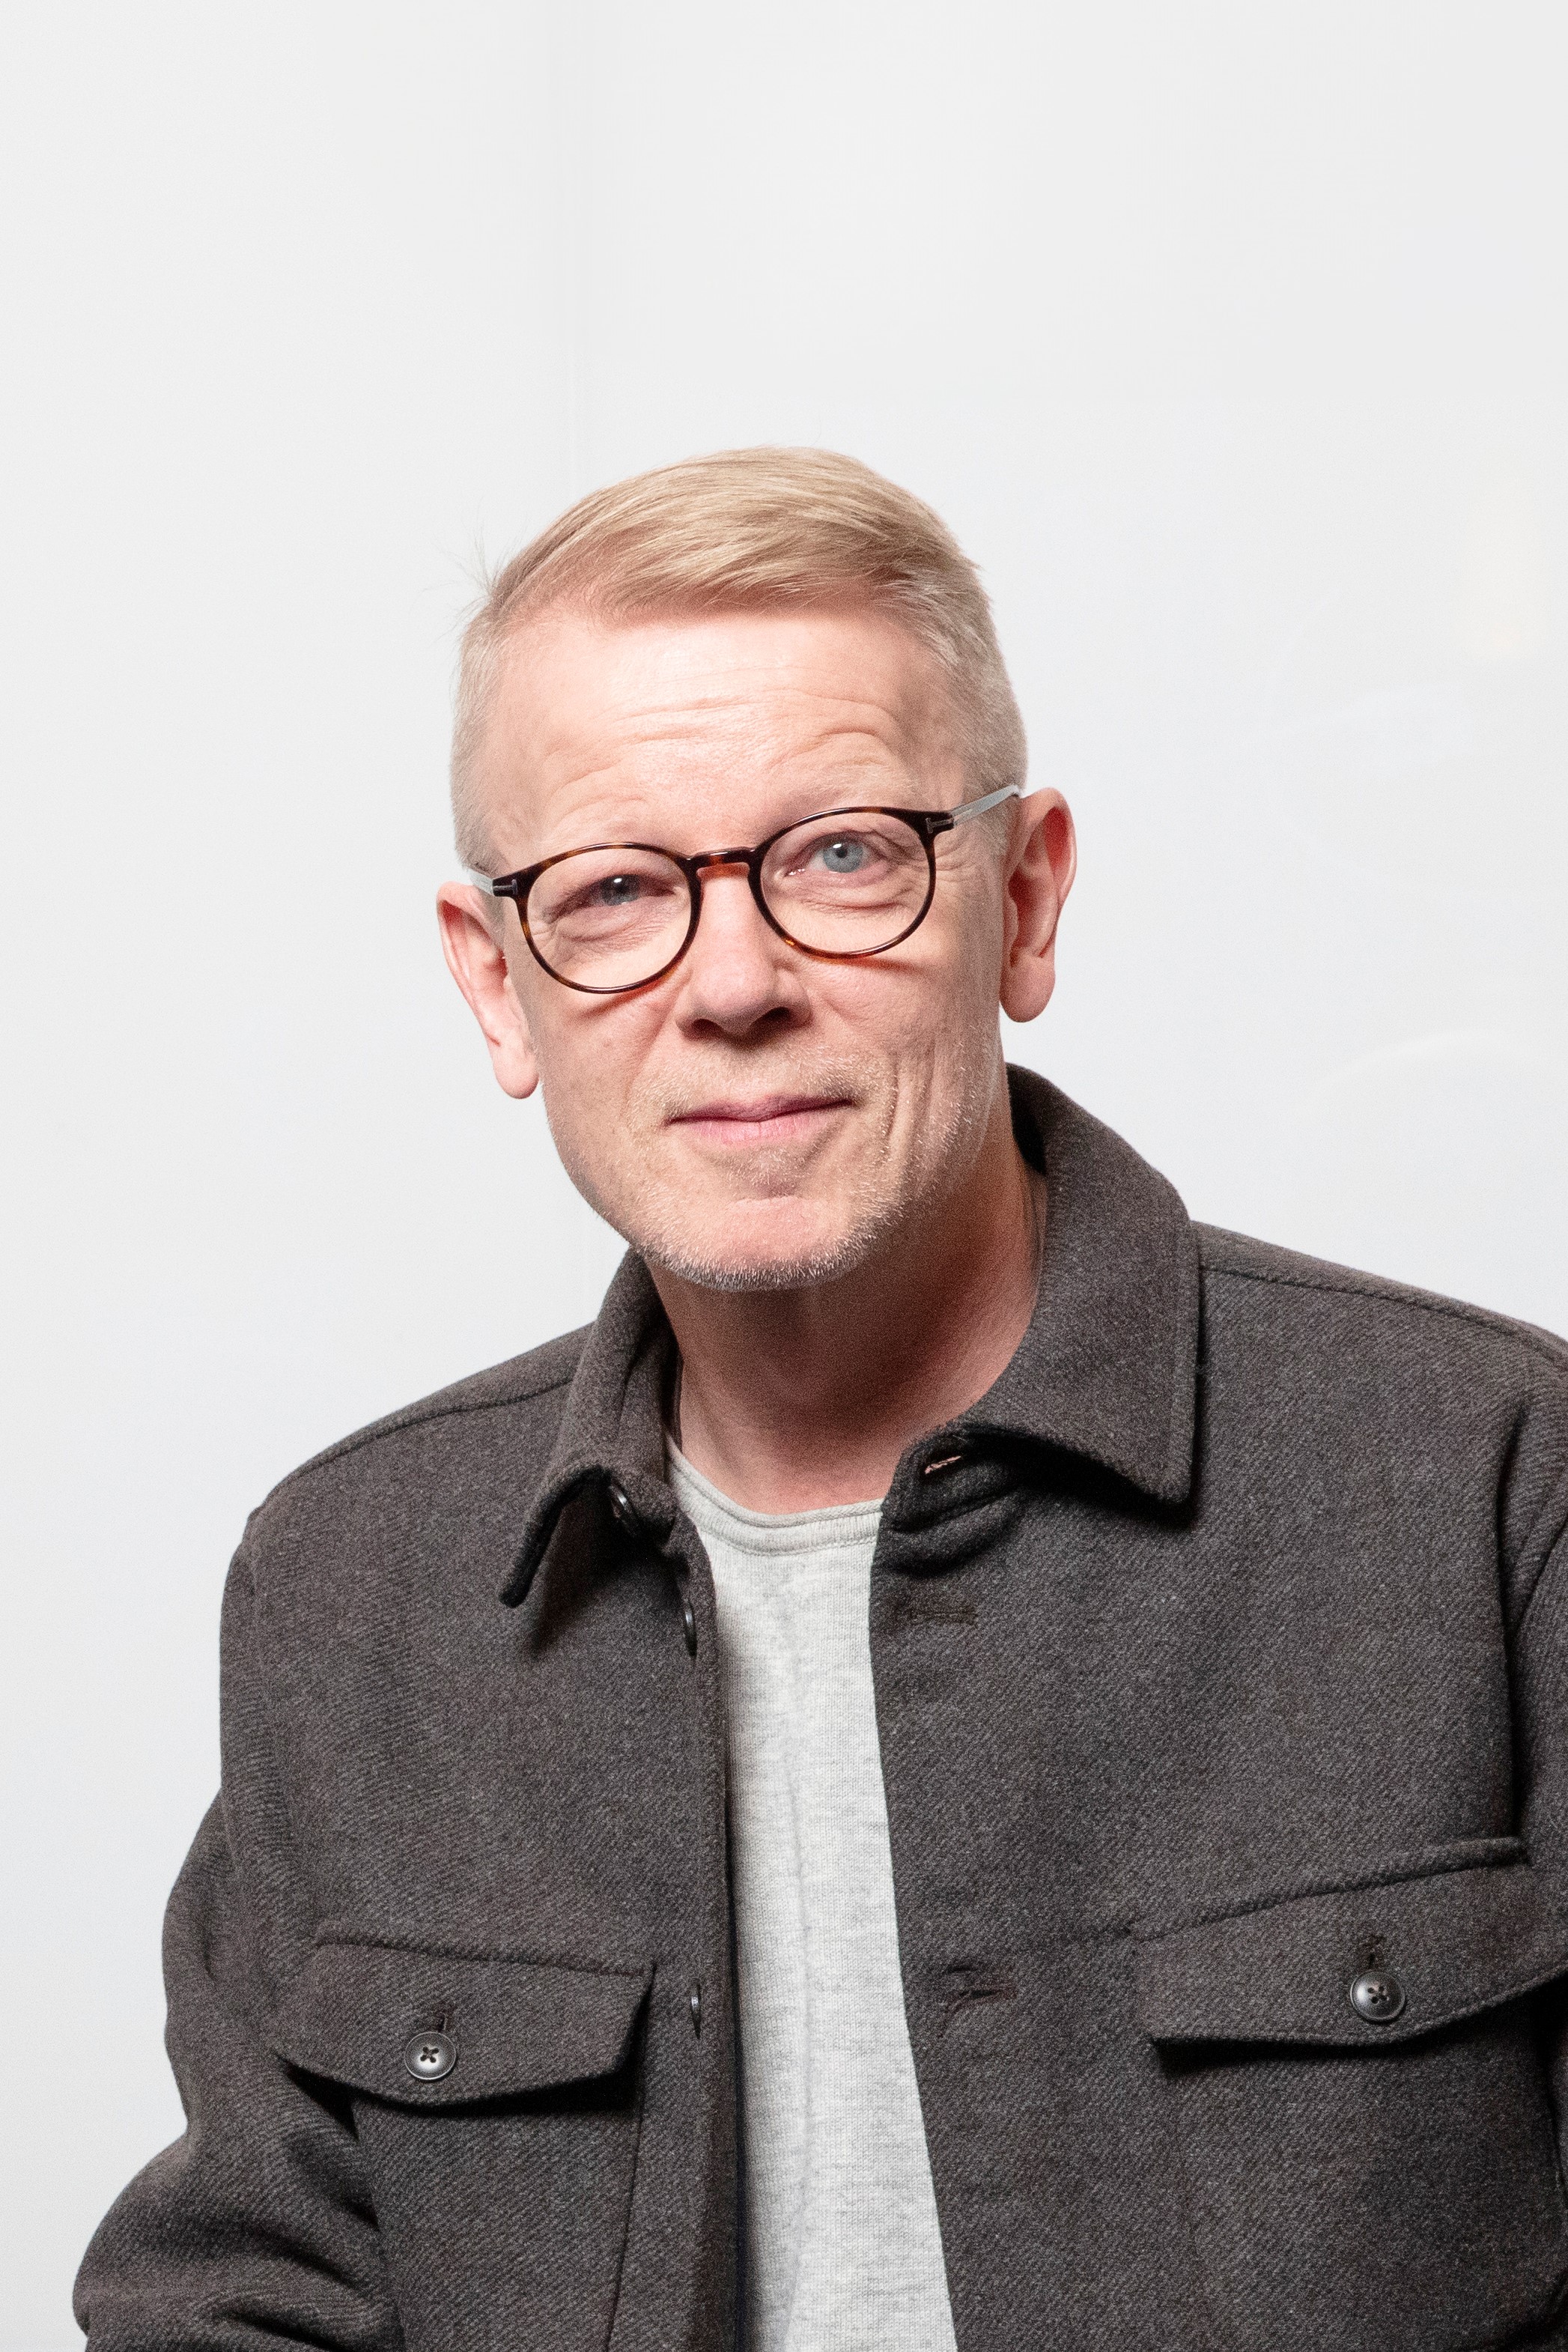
(877, 1205)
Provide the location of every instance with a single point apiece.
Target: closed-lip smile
(764, 1119)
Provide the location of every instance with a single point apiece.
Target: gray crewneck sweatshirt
(840, 2246)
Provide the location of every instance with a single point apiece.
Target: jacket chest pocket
(1360, 2094)
(497, 2104)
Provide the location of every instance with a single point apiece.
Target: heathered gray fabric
(842, 2249)
(1238, 1636)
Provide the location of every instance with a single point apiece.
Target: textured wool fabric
(1229, 1658)
(840, 2246)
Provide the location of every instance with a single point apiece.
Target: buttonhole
(935, 1468)
(932, 1606)
(968, 1983)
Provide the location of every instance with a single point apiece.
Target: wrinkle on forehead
(589, 719)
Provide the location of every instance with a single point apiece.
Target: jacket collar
(1105, 1372)
(1108, 1367)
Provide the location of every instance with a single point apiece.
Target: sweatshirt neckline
(831, 1524)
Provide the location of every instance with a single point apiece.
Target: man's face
(757, 1119)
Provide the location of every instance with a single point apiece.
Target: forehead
(585, 717)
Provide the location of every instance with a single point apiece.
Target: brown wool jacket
(1223, 1671)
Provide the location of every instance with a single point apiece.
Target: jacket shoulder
(514, 1406)
(1228, 1257)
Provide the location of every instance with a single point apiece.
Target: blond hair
(748, 529)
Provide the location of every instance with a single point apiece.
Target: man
(973, 1763)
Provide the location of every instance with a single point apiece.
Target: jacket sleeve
(256, 2227)
(1541, 1686)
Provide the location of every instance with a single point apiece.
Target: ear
(477, 959)
(1041, 859)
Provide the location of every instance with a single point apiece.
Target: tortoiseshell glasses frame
(924, 825)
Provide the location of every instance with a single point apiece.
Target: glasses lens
(610, 918)
(847, 884)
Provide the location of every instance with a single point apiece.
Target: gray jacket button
(621, 1509)
(430, 2055)
(694, 2003)
(689, 1626)
(1378, 1995)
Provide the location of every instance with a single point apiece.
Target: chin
(793, 1261)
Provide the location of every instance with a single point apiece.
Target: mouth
(767, 1119)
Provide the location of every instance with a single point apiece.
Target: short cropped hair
(747, 531)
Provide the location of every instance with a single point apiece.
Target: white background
(1231, 341)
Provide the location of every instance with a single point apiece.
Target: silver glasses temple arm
(480, 881)
(991, 801)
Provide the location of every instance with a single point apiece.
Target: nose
(737, 974)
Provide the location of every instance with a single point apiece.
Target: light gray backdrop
(1232, 340)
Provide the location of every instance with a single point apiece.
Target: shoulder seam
(416, 1418)
(1479, 1318)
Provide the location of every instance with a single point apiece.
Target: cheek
(590, 1053)
(939, 993)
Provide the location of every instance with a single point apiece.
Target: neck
(791, 1401)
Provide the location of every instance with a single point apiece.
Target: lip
(767, 1119)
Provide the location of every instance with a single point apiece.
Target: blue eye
(842, 854)
(619, 890)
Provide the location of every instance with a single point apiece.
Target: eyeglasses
(851, 882)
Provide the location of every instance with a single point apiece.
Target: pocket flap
(1455, 1941)
(430, 2028)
